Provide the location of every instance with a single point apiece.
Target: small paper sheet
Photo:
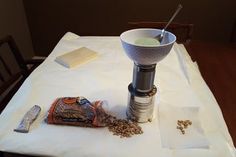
(76, 57)
(171, 137)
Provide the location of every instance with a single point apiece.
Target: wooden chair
(10, 78)
(183, 32)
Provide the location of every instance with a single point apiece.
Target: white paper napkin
(171, 137)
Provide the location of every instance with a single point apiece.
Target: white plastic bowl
(146, 55)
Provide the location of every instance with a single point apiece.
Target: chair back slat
(16, 53)
(12, 74)
(5, 66)
(10, 79)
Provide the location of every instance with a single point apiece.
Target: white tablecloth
(107, 78)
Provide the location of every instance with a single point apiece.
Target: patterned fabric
(77, 111)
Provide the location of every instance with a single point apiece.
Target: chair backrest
(10, 79)
(183, 32)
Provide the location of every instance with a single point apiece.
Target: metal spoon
(161, 36)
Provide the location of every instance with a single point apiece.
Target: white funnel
(146, 54)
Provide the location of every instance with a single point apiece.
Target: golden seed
(183, 124)
(180, 127)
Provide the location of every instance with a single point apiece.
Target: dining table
(182, 93)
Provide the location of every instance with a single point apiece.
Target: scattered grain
(183, 124)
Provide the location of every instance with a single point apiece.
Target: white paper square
(171, 137)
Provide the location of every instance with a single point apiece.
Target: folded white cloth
(106, 78)
(182, 61)
(70, 36)
(171, 137)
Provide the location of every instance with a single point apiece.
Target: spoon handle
(173, 16)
